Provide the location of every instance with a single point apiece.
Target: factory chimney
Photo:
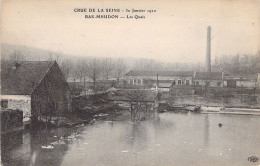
(208, 58)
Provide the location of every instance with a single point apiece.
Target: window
(132, 81)
(139, 81)
(218, 83)
(179, 82)
(173, 83)
(4, 103)
(187, 82)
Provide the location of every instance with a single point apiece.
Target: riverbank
(206, 109)
(84, 115)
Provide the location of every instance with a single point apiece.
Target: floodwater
(168, 139)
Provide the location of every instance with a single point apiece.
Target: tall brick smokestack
(208, 57)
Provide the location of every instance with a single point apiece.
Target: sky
(176, 32)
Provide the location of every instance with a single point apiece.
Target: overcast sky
(175, 33)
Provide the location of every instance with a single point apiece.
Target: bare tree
(107, 67)
(94, 70)
(80, 69)
(138, 100)
(120, 68)
(66, 67)
(16, 56)
(144, 64)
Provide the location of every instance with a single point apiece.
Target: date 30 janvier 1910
(114, 16)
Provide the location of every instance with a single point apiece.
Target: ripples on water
(167, 139)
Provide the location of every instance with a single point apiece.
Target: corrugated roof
(21, 78)
(208, 76)
(160, 73)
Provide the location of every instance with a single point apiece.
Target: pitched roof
(160, 73)
(21, 78)
(208, 76)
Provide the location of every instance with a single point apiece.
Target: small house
(241, 80)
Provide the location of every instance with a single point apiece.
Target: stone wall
(21, 102)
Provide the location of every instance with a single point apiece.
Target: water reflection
(8, 142)
(167, 139)
(206, 134)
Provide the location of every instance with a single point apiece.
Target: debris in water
(150, 149)
(47, 147)
(253, 159)
(158, 144)
(80, 125)
(59, 142)
(124, 151)
(220, 125)
(101, 114)
(220, 154)
(80, 148)
(229, 149)
(55, 136)
(85, 143)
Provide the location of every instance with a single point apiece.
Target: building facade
(242, 81)
(134, 77)
(208, 79)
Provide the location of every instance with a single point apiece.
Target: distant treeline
(239, 64)
(94, 69)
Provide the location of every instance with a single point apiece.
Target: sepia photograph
(130, 83)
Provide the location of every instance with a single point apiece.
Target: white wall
(135, 78)
(247, 84)
(21, 102)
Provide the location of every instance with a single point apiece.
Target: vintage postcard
(130, 83)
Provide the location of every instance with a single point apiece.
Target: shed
(36, 87)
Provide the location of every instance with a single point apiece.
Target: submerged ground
(165, 139)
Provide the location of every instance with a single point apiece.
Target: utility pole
(157, 82)
(84, 83)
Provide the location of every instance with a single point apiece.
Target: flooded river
(167, 139)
